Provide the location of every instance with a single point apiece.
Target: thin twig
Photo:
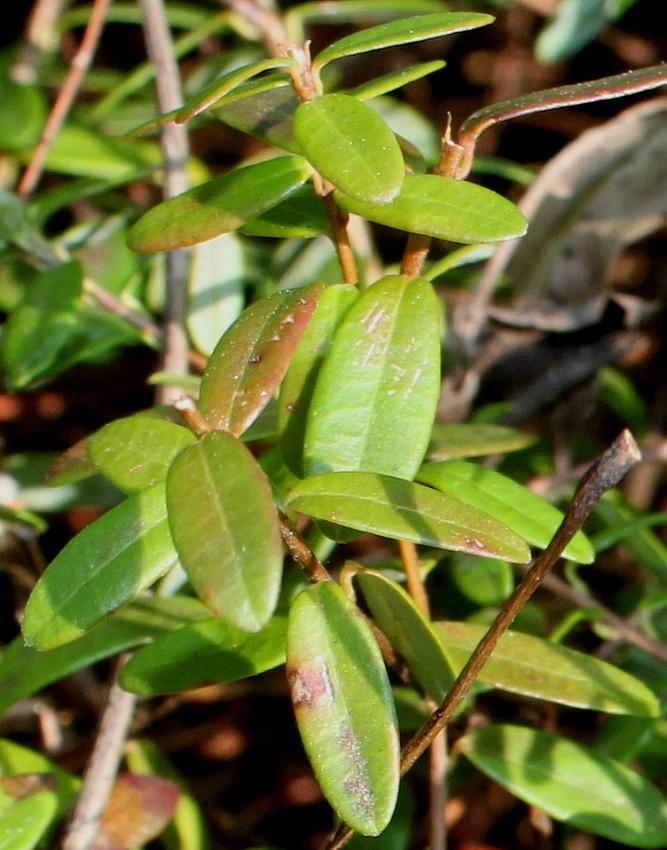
(102, 768)
(65, 99)
(266, 19)
(301, 553)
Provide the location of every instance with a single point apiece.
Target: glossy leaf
(250, 360)
(23, 823)
(107, 564)
(571, 783)
(444, 209)
(402, 510)
(225, 528)
(455, 440)
(379, 418)
(409, 633)
(404, 31)
(396, 79)
(351, 146)
(25, 670)
(301, 215)
(219, 206)
(135, 452)
(343, 706)
(531, 517)
(534, 667)
(263, 108)
(354, 10)
(296, 390)
(215, 289)
(203, 653)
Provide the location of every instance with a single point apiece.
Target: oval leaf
(402, 510)
(108, 563)
(444, 209)
(225, 528)
(404, 31)
(530, 516)
(379, 417)
(409, 632)
(523, 664)
(472, 439)
(250, 360)
(24, 822)
(136, 452)
(350, 145)
(218, 206)
(343, 705)
(571, 783)
(210, 651)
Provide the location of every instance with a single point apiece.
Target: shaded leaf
(454, 440)
(263, 108)
(218, 206)
(301, 215)
(483, 581)
(225, 528)
(23, 109)
(404, 31)
(444, 209)
(379, 418)
(351, 146)
(250, 360)
(529, 515)
(17, 761)
(571, 783)
(136, 452)
(534, 667)
(343, 705)
(108, 563)
(402, 510)
(203, 653)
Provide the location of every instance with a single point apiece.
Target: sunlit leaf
(23, 823)
(402, 510)
(250, 360)
(219, 206)
(343, 705)
(396, 79)
(444, 209)
(571, 783)
(107, 564)
(351, 146)
(225, 528)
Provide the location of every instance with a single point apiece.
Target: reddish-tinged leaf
(250, 360)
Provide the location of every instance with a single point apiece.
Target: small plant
(314, 422)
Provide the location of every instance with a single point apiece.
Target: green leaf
(571, 783)
(218, 206)
(402, 510)
(523, 664)
(444, 209)
(108, 563)
(396, 79)
(17, 760)
(136, 452)
(296, 390)
(343, 706)
(531, 517)
(250, 360)
(454, 440)
(263, 108)
(301, 215)
(225, 528)
(350, 145)
(405, 31)
(483, 581)
(379, 418)
(210, 651)
(25, 670)
(24, 822)
(23, 110)
(409, 633)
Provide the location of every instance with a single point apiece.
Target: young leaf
(534, 667)
(454, 439)
(409, 633)
(296, 390)
(379, 418)
(529, 515)
(404, 31)
(108, 563)
(343, 705)
(24, 822)
(210, 651)
(350, 145)
(136, 452)
(444, 209)
(250, 360)
(218, 206)
(571, 783)
(225, 528)
(402, 510)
